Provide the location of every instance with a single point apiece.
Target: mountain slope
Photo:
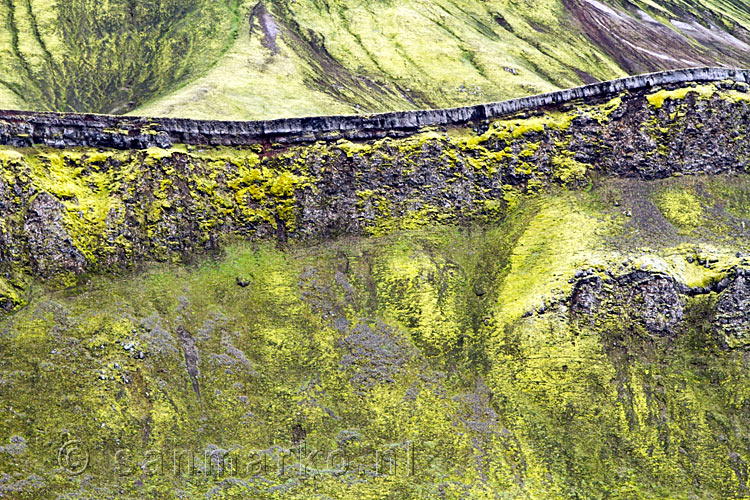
(254, 59)
(550, 305)
(86, 55)
(523, 322)
(379, 56)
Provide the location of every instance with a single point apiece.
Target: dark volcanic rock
(20, 128)
(585, 295)
(656, 301)
(651, 300)
(50, 247)
(732, 319)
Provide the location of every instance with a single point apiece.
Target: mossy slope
(107, 57)
(248, 59)
(459, 340)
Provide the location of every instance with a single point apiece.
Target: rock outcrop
(732, 320)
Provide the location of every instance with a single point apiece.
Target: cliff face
(79, 210)
(545, 305)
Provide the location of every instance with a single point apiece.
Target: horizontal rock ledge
(63, 130)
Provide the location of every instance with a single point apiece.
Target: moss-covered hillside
(250, 59)
(567, 350)
(551, 306)
(107, 57)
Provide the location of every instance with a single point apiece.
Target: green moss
(602, 113)
(155, 155)
(351, 148)
(735, 96)
(686, 262)
(88, 56)
(512, 197)
(680, 207)
(97, 188)
(555, 236)
(656, 100)
(568, 170)
(509, 130)
(732, 195)
(85, 192)
(387, 222)
(11, 298)
(233, 59)
(387, 69)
